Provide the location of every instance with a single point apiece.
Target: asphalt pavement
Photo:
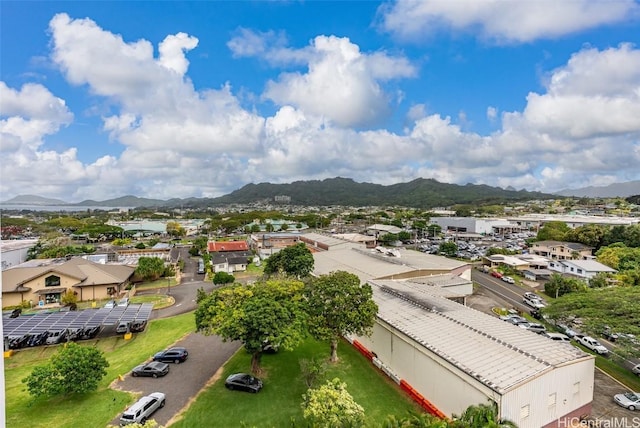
(207, 354)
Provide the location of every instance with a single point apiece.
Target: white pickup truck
(593, 344)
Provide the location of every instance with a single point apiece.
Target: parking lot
(184, 381)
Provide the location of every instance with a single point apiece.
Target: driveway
(207, 354)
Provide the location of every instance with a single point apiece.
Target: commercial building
(474, 225)
(454, 357)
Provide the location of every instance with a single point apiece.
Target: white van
(140, 411)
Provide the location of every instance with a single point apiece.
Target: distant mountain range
(615, 190)
(419, 193)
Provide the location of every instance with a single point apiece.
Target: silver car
(630, 400)
(140, 411)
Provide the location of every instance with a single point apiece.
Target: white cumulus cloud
(502, 21)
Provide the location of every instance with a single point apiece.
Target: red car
(496, 274)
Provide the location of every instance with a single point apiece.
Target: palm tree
(482, 416)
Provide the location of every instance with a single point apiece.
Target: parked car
(630, 400)
(496, 274)
(567, 330)
(124, 302)
(592, 344)
(508, 279)
(56, 336)
(535, 313)
(172, 355)
(140, 411)
(556, 336)
(533, 326)
(123, 327)
(608, 334)
(110, 304)
(152, 369)
(636, 369)
(513, 319)
(535, 303)
(243, 382)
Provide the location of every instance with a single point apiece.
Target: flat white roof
(498, 354)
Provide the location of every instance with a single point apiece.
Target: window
(524, 411)
(52, 281)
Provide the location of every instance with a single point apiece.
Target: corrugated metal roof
(496, 353)
(369, 264)
(327, 240)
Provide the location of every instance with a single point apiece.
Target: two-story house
(558, 250)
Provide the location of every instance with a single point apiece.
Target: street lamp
(169, 286)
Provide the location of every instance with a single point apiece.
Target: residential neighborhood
(427, 299)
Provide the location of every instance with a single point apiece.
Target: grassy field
(279, 402)
(277, 405)
(88, 410)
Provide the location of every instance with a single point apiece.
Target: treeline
(592, 235)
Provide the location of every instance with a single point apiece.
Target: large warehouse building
(455, 356)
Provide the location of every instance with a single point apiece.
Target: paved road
(509, 294)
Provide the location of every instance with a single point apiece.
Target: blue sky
(167, 99)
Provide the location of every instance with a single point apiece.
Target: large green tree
(559, 285)
(338, 305)
(270, 311)
(553, 231)
(448, 248)
(331, 406)
(150, 268)
(625, 260)
(295, 260)
(591, 235)
(73, 369)
(615, 307)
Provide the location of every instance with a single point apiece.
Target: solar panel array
(85, 319)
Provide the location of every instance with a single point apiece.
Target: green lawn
(279, 403)
(96, 409)
(276, 406)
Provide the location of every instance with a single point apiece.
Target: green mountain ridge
(418, 193)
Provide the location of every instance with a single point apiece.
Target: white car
(140, 411)
(636, 369)
(534, 302)
(508, 279)
(593, 344)
(630, 400)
